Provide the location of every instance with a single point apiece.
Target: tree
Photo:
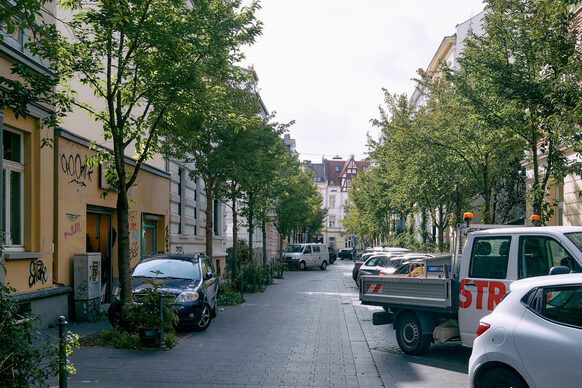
(211, 136)
(523, 76)
(143, 59)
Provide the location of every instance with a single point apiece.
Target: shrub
(227, 296)
(23, 364)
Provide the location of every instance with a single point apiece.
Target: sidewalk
(82, 329)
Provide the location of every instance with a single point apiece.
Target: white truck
(449, 306)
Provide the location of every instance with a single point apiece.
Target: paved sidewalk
(307, 330)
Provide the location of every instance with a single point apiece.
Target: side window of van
(307, 249)
(315, 249)
(489, 257)
(537, 254)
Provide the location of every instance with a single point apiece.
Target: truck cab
(494, 258)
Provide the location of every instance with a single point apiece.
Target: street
(307, 330)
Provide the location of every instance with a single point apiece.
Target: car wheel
(302, 266)
(500, 377)
(323, 265)
(204, 320)
(409, 335)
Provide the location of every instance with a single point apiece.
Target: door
(485, 285)
(210, 281)
(149, 241)
(100, 238)
(551, 330)
(307, 257)
(317, 255)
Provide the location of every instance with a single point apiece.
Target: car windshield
(294, 248)
(168, 268)
(576, 238)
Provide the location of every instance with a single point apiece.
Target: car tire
(302, 266)
(409, 335)
(500, 377)
(205, 317)
(323, 265)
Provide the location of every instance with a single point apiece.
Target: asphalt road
(307, 330)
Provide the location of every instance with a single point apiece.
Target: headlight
(187, 296)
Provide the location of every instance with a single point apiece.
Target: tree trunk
(264, 230)
(123, 258)
(234, 237)
(209, 215)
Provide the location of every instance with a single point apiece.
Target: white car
(533, 338)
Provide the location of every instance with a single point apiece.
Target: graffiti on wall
(134, 234)
(38, 273)
(75, 167)
(75, 228)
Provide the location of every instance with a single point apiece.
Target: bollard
(62, 353)
(162, 341)
(254, 280)
(242, 283)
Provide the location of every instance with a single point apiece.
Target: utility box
(87, 285)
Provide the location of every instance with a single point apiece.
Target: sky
(323, 63)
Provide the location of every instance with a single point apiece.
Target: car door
(210, 281)
(549, 335)
(307, 255)
(316, 255)
(486, 283)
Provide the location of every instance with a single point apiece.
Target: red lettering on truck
(496, 291)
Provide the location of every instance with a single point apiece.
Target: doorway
(100, 238)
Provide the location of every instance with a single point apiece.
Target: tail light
(483, 327)
(359, 270)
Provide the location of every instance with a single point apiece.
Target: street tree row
(511, 106)
(165, 80)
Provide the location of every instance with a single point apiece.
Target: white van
(307, 255)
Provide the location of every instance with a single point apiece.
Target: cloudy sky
(323, 63)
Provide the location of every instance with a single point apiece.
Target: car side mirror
(209, 275)
(560, 270)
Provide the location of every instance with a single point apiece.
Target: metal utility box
(87, 285)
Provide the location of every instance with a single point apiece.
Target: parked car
(189, 278)
(345, 253)
(332, 255)
(390, 252)
(307, 255)
(532, 338)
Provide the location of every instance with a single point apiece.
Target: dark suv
(189, 278)
(345, 253)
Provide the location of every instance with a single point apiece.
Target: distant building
(290, 143)
(333, 179)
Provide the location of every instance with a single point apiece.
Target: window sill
(14, 255)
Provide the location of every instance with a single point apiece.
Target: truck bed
(431, 294)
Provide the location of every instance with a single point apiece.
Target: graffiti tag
(75, 228)
(76, 167)
(72, 217)
(38, 273)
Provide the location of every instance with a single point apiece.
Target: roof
(549, 280)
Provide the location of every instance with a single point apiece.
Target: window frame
(8, 167)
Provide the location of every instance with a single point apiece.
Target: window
(332, 201)
(180, 201)
(307, 249)
(336, 169)
(12, 195)
(216, 218)
(315, 249)
(537, 254)
(331, 221)
(195, 189)
(489, 257)
(563, 305)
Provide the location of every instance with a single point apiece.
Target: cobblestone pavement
(307, 330)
